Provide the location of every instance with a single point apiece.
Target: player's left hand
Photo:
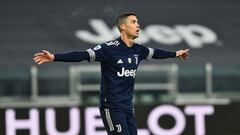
(182, 54)
(43, 57)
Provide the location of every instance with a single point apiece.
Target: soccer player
(119, 60)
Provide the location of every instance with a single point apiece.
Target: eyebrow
(133, 20)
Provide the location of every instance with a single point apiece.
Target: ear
(123, 26)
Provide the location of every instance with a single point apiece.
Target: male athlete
(119, 62)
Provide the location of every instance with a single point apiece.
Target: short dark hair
(122, 17)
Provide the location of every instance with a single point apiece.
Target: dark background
(28, 26)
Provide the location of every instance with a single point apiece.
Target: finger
(185, 56)
(37, 60)
(186, 50)
(39, 54)
(34, 59)
(180, 57)
(41, 62)
(37, 57)
(45, 52)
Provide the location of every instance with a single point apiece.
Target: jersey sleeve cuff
(92, 55)
(150, 54)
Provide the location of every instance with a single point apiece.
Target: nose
(138, 25)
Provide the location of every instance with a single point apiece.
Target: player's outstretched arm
(182, 54)
(74, 56)
(162, 54)
(43, 57)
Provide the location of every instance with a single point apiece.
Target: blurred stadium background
(194, 97)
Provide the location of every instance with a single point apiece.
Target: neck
(127, 40)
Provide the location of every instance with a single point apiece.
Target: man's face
(131, 26)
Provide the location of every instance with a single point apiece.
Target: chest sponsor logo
(127, 73)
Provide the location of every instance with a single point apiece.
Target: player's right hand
(43, 57)
(182, 54)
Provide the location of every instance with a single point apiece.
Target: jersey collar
(122, 44)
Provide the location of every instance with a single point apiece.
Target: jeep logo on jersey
(195, 35)
(127, 73)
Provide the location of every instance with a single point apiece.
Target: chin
(136, 36)
(133, 36)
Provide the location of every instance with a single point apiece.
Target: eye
(133, 21)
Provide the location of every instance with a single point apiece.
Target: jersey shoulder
(141, 47)
(106, 45)
(112, 43)
(144, 51)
